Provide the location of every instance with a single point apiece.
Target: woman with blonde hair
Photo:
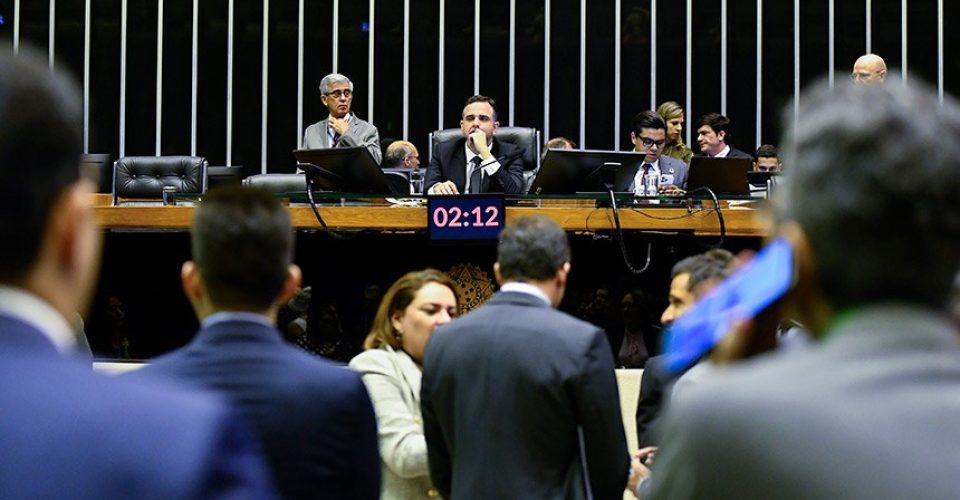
(413, 307)
(672, 113)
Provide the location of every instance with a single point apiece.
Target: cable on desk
(313, 205)
(716, 208)
(623, 245)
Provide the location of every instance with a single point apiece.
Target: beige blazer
(393, 381)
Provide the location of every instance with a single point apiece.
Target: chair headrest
(146, 176)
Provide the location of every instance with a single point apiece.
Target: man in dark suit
(66, 432)
(477, 163)
(649, 136)
(689, 280)
(314, 419)
(713, 136)
(520, 400)
(869, 410)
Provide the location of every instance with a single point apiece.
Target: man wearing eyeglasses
(342, 129)
(477, 163)
(649, 136)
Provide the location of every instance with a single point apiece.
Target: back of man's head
(242, 243)
(396, 153)
(40, 146)
(873, 182)
(532, 248)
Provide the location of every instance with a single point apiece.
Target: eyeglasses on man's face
(338, 94)
(647, 142)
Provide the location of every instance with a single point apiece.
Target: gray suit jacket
(871, 412)
(360, 133)
(672, 171)
(505, 389)
(393, 381)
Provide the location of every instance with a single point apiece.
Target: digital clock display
(465, 217)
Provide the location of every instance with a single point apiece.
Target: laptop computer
(568, 171)
(724, 176)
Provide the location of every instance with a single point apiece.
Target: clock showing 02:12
(465, 217)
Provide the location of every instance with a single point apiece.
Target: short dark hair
(717, 122)
(40, 146)
(881, 215)
(242, 243)
(532, 248)
(648, 119)
(482, 98)
(714, 263)
(767, 151)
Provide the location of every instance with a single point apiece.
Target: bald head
(402, 154)
(869, 69)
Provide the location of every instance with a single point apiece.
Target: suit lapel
(457, 167)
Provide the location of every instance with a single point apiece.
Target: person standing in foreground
(869, 409)
(520, 400)
(65, 431)
(413, 307)
(314, 420)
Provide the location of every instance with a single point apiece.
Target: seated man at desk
(342, 129)
(477, 163)
(649, 137)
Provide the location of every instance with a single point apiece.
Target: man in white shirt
(669, 175)
(712, 136)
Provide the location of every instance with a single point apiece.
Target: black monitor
(99, 169)
(346, 170)
(724, 176)
(568, 171)
(760, 178)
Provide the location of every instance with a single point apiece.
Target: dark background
(387, 114)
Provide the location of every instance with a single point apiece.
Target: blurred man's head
(560, 143)
(242, 243)
(869, 69)
(50, 244)
(884, 228)
(766, 159)
(712, 133)
(336, 93)
(402, 154)
(535, 250)
(649, 135)
(691, 278)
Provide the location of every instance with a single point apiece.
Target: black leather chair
(144, 177)
(278, 183)
(527, 138)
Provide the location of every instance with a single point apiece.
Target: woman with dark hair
(413, 307)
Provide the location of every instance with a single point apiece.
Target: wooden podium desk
(741, 218)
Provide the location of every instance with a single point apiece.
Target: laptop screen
(724, 176)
